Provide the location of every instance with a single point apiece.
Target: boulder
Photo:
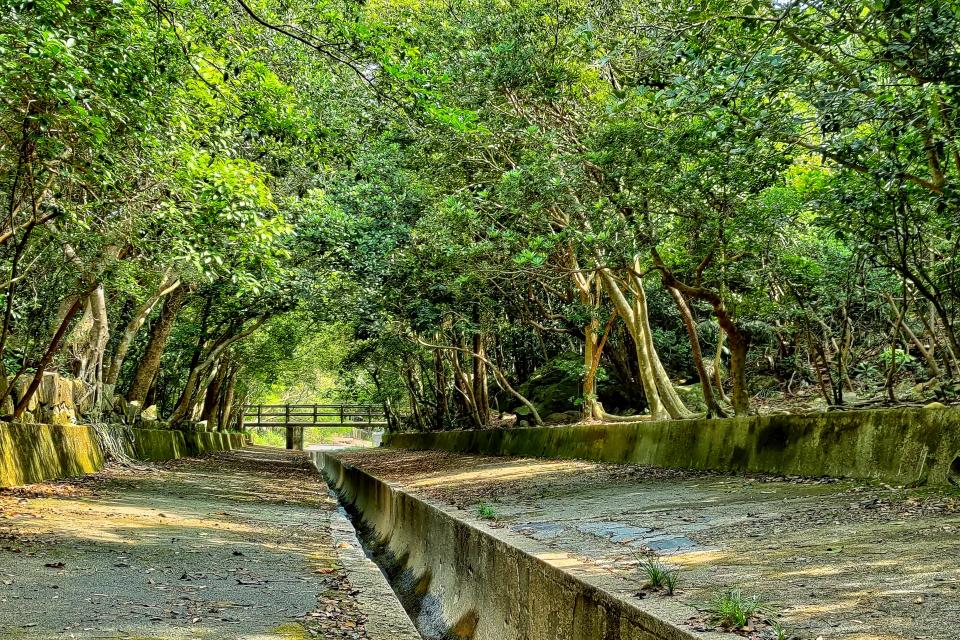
(107, 394)
(21, 389)
(62, 414)
(47, 390)
(935, 405)
(82, 396)
(150, 413)
(556, 388)
(566, 417)
(129, 411)
(6, 408)
(63, 392)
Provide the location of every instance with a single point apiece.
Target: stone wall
(58, 400)
(901, 446)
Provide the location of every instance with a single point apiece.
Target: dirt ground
(235, 546)
(830, 559)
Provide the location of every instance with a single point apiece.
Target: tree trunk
(662, 398)
(739, 341)
(98, 343)
(47, 358)
(718, 365)
(185, 404)
(464, 389)
(440, 391)
(926, 353)
(636, 330)
(159, 334)
(211, 399)
(481, 393)
(226, 405)
(739, 345)
(140, 316)
(713, 408)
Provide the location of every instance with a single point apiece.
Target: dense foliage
(436, 204)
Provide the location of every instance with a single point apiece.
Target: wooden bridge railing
(314, 415)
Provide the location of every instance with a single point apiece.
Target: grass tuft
(485, 511)
(732, 610)
(659, 575)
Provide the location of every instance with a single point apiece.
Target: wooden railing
(314, 415)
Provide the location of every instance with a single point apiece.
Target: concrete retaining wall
(157, 445)
(36, 452)
(203, 442)
(457, 581)
(901, 446)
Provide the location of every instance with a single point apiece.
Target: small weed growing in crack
(670, 580)
(732, 610)
(779, 633)
(485, 511)
(659, 575)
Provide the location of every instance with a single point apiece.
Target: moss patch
(292, 632)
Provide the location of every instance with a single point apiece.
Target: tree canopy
(432, 204)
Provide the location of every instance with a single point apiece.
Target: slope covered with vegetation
(205, 203)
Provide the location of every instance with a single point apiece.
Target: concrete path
(246, 545)
(832, 560)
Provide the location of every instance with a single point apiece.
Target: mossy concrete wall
(157, 445)
(35, 452)
(902, 446)
(458, 581)
(203, 442)
(170, 444)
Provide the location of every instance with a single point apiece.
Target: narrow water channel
(458, 581)
(422, 609)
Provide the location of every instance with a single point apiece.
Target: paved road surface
(245, 545)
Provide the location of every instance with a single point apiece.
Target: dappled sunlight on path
(232, 546)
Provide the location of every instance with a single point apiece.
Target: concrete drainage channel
(458, 582)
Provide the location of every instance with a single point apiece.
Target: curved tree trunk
(497, 374)
(739, 340)
(47, 358)
(713, 407)
(662, 399)
(133, 327)
(195, 380)
(159, 334)
(634, 327)
(211, 399)
(718, 366)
